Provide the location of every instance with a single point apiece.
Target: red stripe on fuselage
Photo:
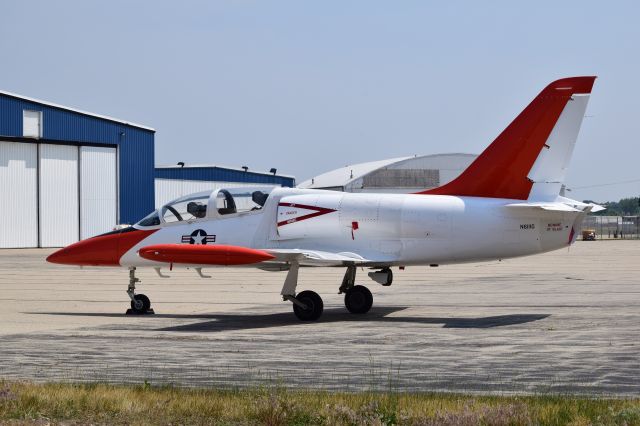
(318, 211)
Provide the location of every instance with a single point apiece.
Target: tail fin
(529, 158)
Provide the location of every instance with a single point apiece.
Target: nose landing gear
(140, 304)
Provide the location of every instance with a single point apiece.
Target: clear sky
(310, 86)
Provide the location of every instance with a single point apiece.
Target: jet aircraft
(507, 203)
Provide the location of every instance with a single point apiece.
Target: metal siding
(11, 116)
(98, 191)
(219, 174)
(136, 161)
(63, 125)
(136, 146)
(59, 204)
(18, 195)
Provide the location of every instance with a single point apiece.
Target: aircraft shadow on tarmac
(233, 321)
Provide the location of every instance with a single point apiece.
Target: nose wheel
(140, 304)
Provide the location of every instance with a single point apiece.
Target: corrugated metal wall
(136, 160)
(58, 193)
(98, 190)
(18, 195)
(220, 174)
(136, 147)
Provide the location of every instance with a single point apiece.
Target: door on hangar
(98, 190)
(18, 195)
(59, 204)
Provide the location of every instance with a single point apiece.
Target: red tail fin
(501, 170)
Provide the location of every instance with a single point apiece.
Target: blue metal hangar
(176, 181)
(67, 174)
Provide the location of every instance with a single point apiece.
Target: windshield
(238, 200)
(190, 207)
(152, 220)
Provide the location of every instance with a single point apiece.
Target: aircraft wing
(226, 255)
(316, 257)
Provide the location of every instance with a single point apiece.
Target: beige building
(399, 175)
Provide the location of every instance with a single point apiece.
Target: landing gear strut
(357, 298)
(140, 304)
(307, 305)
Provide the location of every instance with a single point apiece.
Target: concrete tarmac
(566, 321)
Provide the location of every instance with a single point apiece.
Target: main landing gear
(140, 304)
(357, 298)
(308, 305)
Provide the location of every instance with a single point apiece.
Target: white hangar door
(18, 195)
(59, 208)
(98, 191)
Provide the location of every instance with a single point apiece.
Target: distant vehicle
(588, 234)
(505, 204)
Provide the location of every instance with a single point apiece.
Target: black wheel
(358, 299)
(314, 304)
(140, 303)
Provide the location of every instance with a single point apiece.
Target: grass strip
(55, 403)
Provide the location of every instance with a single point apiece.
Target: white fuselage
(385, 229)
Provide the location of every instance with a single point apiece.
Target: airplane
(506, 204)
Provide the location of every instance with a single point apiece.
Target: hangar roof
(51, 104)
(346, 174)
(219, 166)
(396, 174)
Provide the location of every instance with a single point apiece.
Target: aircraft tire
(358, 299)
(314, 304)
(140, 304)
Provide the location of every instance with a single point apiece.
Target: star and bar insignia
(199, 236)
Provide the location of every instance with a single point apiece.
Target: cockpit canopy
(238, 200)
(209, 204)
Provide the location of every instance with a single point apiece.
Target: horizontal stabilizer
(554, 207)
(585, 207)
(596, 207)
(197, 254)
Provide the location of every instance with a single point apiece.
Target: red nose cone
(103, 250)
